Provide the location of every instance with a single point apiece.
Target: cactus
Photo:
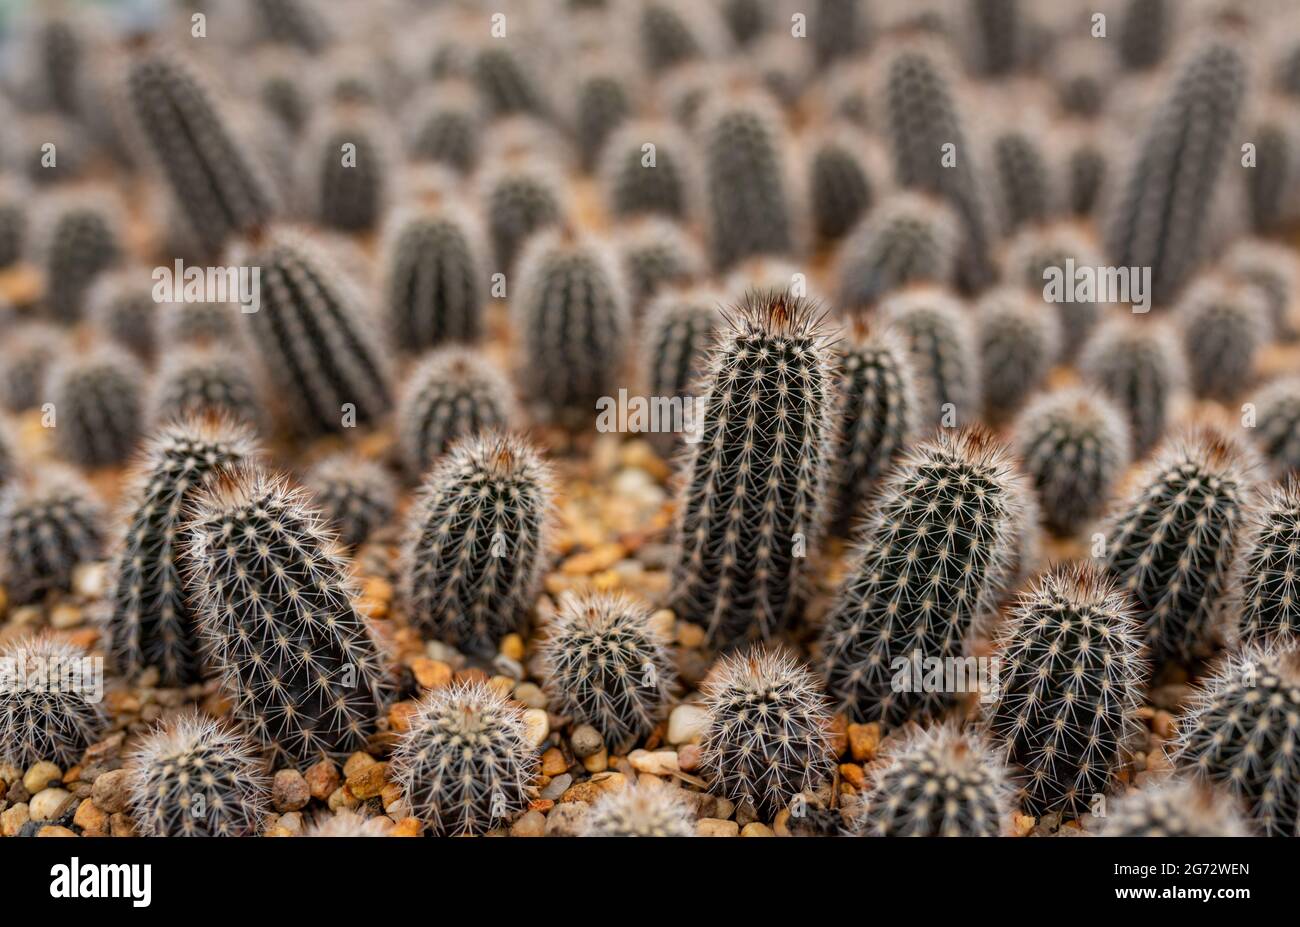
(281, 91)
(748, 200)
(199, 325)
(465, 766)
(152, 622)
(573, 322)
(1071, 681)
(1172, 543)
(1278, 421)
(1161, 218)
(747, 19)
(906, 239)
(1074, 446)
(928, 569)
(668, 35)
(1267, 574)
(194, 777)
(941, 343)
(13, 222)
(1087, 171)
(845, 174)
(315, 339)
(28, 352)
(278, 620)
(755, 482)
(1000, 35)
(879, 415)
(1145, 32)
(349, 172)
(205, 382)
(657, 254)
(1272, 178)
(1081, 79)
(840, 29)
(768, 737)
(345, 823)
(940, 782)
(47, 723)
(641, 811)
(434, 280)
(677, 328)
(211, 175)
(293, 22)
(448, 129)
(1223, 327)
(82, 241)
(520, 202)
(121, 305)
(1023, 181)
(1174, 808)
(607, 666)
(603, 102)
(47, 529)
(1019, 341)
(1239, 735)
(357, 496)
(1141, 368)
(477, 540)
(922, 119)
(506, 82)
(637, 179)
(1270, 268)
(98, 406)
(1037, 258)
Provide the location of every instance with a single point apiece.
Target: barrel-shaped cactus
(82, 239)
(98, 406)
(846, 174)
(1223, 326)
(940, 337)
(48, 528)
(1019, 341)
(1277, 412)
(435, 281)
(649, 167)
(1140, 366)
(906, 239)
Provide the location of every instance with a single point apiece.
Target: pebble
(512, 647)
(530, 695)
(64, 616)
(853, 774)
(557, 787)
(40, 775)
(664, 623)
(342, 798)
(368, 781)
(688, 757)
(291, 823)
(864, 739)
(431, 674)
(400, 714)
(322, 779)
(566, 820)
(712, 827)
(508, 667)
(658, 763)
(406, 827)
(536, 726)
(502, 685)
(13, 818)
(119, 825)
(92, 820)
(586, 741)
(757, 829)
(90, 580)
(530, 824)
(357, 762)
(111, 791)
(687, 724)
(596, 763)
(690, 636)
(289, 790)
(553, 762)
(51, 830)
(49, 804)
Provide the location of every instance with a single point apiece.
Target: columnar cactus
(768, 737)
(656, 254)
(48, 723)
(281, 90)
(608, 667)
(477, 541)
(81, 242)
(315, 339)
(47, 529)
(293, 22)
(1070, 682)
(278, 620)
(13, 222)
(748, 193)
(1240, 735)
(98, 406)
(212, 176)
(519, 201)
(1145, 32)
(1037, 259)
(1000, 34)
(194, 777)
(1142, 369)
(465, 765)
(1019, 341)
(1267, 575)
(1173, 542)
(839, 29)
(356, 496)
(1074, 446)
(747, 19)
(1175, 808)
(348, 177)
(604, 100)
(121, 306)
(1223, 326)
(1088, 168)
(648, 167)
(845, 177)
(1161, 218)
(1273, 176)
(931, 562)
(923, 124)
(28, 352)
(940, 782)
(199, 325)
(1272, 269)
(678, 328)
(1024, 182)
(755, 481)
(505, 80)
(448, 128)
(1278, 423)
(205, 382)
(669, 34)
(641, 811)
(941, 343)
(906, 239)
(435, 280)
(879, 415)
(152, 622)
(573, 322)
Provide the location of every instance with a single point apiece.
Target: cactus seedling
(46, 529)
(1278, 423)
(519, 201)
(82, 241)
(657, 254)
(1271, 268)
(29, 350)
(201, 383)
(449, 128)
(1036, 257)
(647, 167)
(349, 175)
(50, 723)
(435, 280)
(1019, 340)
(845, 179)
(1223, 327)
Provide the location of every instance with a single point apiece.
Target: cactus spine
(641, 811)
(1174, 808)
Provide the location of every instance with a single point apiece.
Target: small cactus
(1145, 32)
(1037, 257)
(83, 240)
(152, 622)
(348, 179)
(639, 179)
(1074, 446)
(607, 666)
(13, 222)
(1172, 543)
(476, 542)
(204, 382)
(1174, 808)
(845, 178)
(603, 101)
(356, 496)
(670, 34)
(1239, 732)
(292, 22)
(1278, 424)
(1019, 341)
(908, 238)
(28, 352)
(465, 765)
(1271, 268)
(346, 823)
(520, 202)
(1267, 574)
(46, 530)
(768, 737)
(1223, 327)
(641, 811)
(194, 777)
(941, 343)
(755, 482)
(449, 128)
(940, 782)
(657, 254)
(1141, 368)
(278, 620)
(678, 327)
(199, 325)
(51, 722)
(1088, 168)
(930, 564)
(573, 322)
(434, 283)
(1272, 177)
(1023, 179)
(121, 306)
(98, 407)
(506, 80)
(1070, 683)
